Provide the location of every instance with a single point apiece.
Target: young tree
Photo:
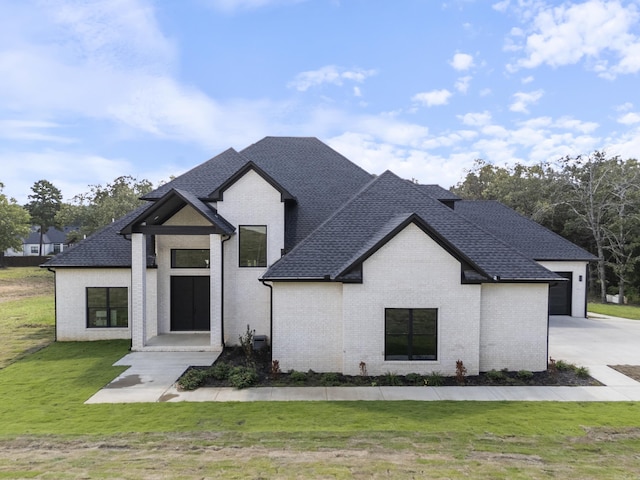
(46, 200)
(14, 224)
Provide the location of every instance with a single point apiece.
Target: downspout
(55, 305)
(270, 311)
(222, 289)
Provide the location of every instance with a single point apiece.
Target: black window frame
(174, 257)
(411, 336)
(108, 308)
(259, 264)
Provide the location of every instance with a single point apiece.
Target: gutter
(270, 287)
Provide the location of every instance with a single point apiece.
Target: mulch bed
(262, 361)
(632, 371)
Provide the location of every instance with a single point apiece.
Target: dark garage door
(190, 303)
(560, 295)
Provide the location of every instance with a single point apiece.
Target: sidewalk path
(594, 343)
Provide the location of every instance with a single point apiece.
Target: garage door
(560, 295)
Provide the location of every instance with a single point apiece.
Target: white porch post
(215, 272)
(138, 319)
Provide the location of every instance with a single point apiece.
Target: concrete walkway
(594, 343)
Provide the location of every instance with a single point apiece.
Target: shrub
(414, 378)
(435, 379)
(297, 377)
(582, 372)
(275, 369)
(219, 371)
(192, 379)
(363, 369)
(243, 377)
(391, 379)
(496, 376)
(461, 372)
(524, 375)
(246, 343)
(563, 366)
(329, 379)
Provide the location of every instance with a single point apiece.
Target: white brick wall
(249, 201)
(411, 271)
(513, 331)
(578, 287)
(71, 303)
(307, 328)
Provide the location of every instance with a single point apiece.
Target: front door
(190, 303)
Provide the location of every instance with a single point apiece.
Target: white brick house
(333, 265)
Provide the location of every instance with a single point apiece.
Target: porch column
(138, 319)
(215, 272)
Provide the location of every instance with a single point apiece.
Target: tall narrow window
(411, 334)
(107, 307)
(253, 245)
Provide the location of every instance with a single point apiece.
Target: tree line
(593, 200)
(84, 214)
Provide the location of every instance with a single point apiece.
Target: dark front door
(560, 295)
(190, 303)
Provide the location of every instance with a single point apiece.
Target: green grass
(623, 311)
(18, 273)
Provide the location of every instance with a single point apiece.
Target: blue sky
(90, 90)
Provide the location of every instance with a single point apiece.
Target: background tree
(15, 224)
(45, 203)
(100, 206)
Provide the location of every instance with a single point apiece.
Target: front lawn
(623, 311)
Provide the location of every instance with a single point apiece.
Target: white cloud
(625, 107)
(522, 100)
(475, 119)
(461, 61)
(462, 84)
(501, 6)
(629, 118)
(32, 130)
(236, 5)
(599, 30)
(433, 98)
(330, 74)
(526, 80)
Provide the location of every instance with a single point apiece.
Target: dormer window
(253, 245)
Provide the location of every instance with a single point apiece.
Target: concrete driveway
(598, 340)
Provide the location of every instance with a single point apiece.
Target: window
(190, 258)
(411, 334)
(57, 247)
(107, 307)
(253, 246)
(35, 249)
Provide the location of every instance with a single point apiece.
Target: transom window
(411, 334)
(190, 258)
(107, 307)
(253, 245)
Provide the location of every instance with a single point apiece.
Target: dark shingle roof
(105, 248)
(374, 213)
(526, 236)
(439, 193)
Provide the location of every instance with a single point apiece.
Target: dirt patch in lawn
(267, 375)
(29, 286)
(631, 371)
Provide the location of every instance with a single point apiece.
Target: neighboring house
(54, 241)
(335, 266)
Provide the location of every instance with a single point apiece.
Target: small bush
(192, 379)
(496, 376)
(461, 372)
(435, 379)
(524, 375)
(563, 366)
(391, 379)
(219, 371)
(243, 377)
(363, 369)
(329, 379)
(275, 369)
(297, 377)
(414, 378)
(582, 372)
(246, 343)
